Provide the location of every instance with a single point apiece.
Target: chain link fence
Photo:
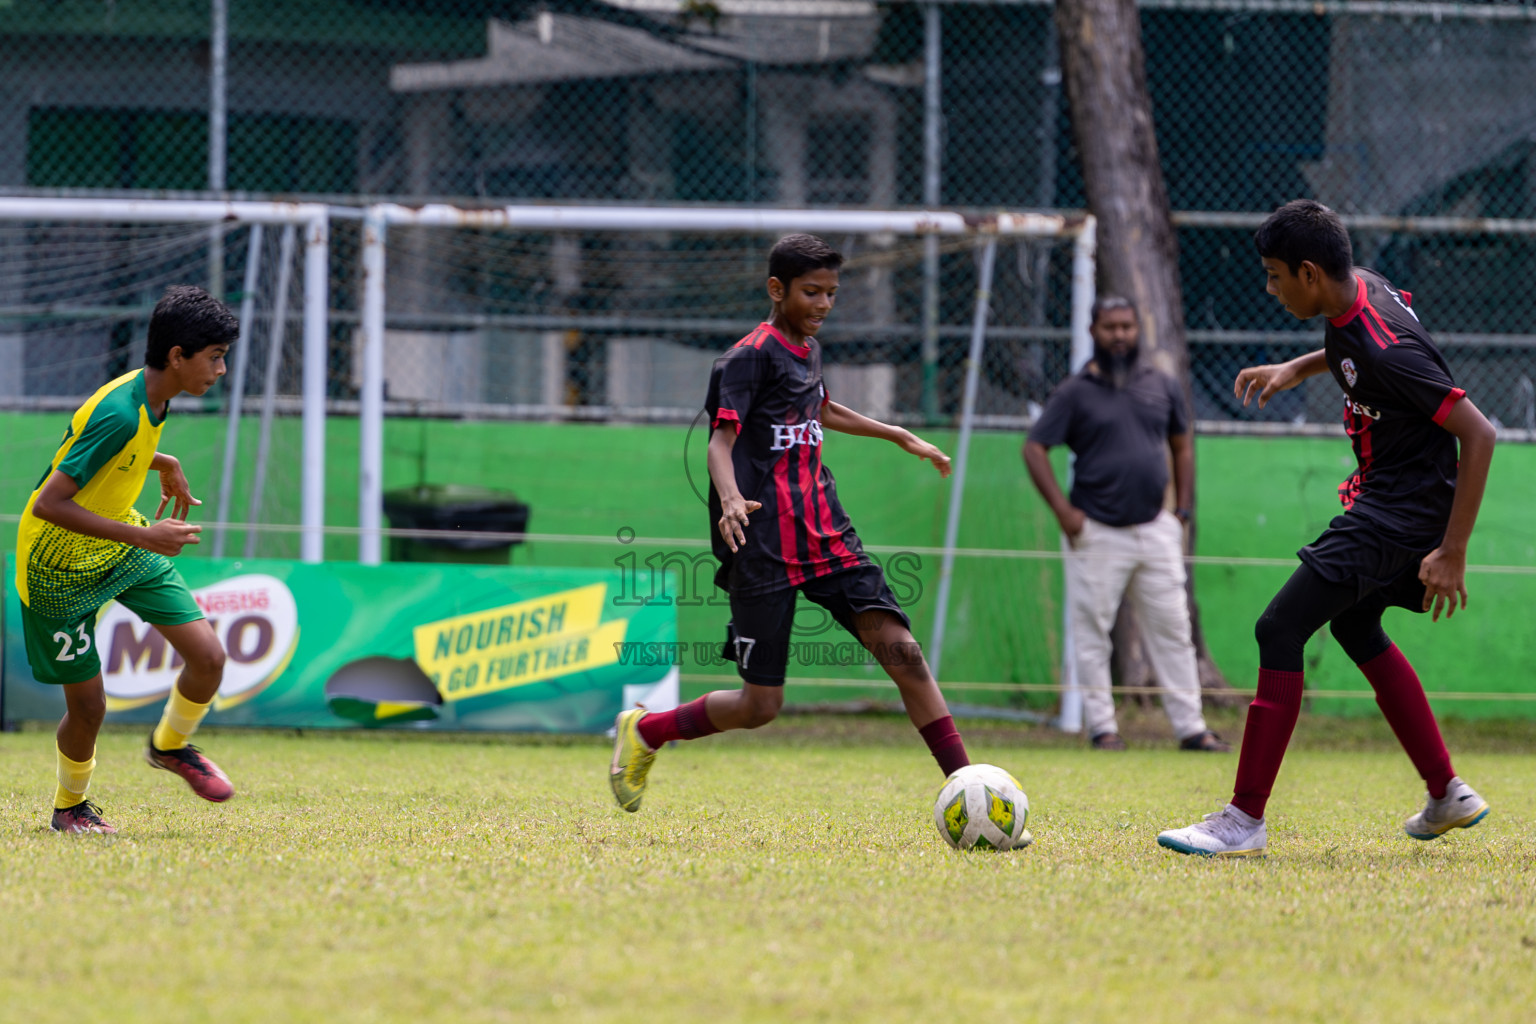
(1418, 119)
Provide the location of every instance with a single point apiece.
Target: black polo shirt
(1120, 438)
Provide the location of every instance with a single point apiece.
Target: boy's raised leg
(185, 709)
(1401, 698)
(1450, 802)
(638, 734)
(902, 658)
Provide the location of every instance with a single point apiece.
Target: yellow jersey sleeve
(106, 450)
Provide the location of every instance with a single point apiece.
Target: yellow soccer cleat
(631, 760)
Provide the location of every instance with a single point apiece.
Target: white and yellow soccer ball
(982, 807)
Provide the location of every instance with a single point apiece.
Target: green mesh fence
(1382, 110)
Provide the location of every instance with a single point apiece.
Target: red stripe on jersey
(1354, 310)
(1370, 310)
(1451, 398)
(1358, 427)
(754, 339)
(1407, 297)
(727, 415)
(1371, 330)
(803, 351)
(839, 550)
(818, 516)
(787, 546)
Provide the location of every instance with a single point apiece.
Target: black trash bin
(451, 507)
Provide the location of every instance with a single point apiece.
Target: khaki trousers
(1145, 561)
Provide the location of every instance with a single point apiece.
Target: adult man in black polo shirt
(1120, 417)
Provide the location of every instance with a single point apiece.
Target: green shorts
(65, 652)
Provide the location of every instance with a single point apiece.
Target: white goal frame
(378, 218)
(314, 219)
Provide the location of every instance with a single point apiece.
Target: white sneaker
(1461, 807)
(1227, 833)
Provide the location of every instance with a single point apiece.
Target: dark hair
(1104, 303)
(1305, 230)
(188, 318)
(794, 255)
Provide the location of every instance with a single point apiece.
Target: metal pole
(751, 129)
(370, 482)
(237, 383)
(316, 372)
(967, 420)
(1083, 248)
(755, 219)
(163, 211)
(218, 132)
(218, 95)
(1045, 191)
(1083, 289)
(933, 153)
(269, 382)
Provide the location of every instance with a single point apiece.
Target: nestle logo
(221, 602)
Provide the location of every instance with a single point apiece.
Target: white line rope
(883, 684)
(700, 543)
(606, 540)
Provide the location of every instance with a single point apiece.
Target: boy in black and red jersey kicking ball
(1401, 542)
(779, 530)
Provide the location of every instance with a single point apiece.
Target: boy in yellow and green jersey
(82, 544)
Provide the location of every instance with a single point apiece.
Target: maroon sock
(1401, 698)
(945, 744)
(1271, 720)
(685, 722)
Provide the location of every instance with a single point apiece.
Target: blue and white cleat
(1225, 833)
(1461, 807)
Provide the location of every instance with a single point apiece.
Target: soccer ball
(982, 807)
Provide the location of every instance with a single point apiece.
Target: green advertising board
(339, 645)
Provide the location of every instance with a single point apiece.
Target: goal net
(78, 282)
(943, 323)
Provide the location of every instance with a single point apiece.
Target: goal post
(312, 218)
(983, 232)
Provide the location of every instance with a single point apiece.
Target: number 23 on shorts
(60, 650)
(68, 651)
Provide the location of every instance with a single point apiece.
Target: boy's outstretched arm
(846, 421)
(1264, 381)
(733, 507)
(1444, 570)
(173, 486)
(56, 504)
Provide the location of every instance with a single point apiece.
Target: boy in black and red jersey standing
(1402, 540)
(779, 530)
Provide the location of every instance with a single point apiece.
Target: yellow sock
(74, 780)
(180, 720)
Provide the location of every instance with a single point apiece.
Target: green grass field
(791, 874)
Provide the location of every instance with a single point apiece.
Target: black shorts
(1383, 572)
(759, 635)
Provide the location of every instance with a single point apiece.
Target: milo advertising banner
(338, 645)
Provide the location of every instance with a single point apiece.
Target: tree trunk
(1104, 70)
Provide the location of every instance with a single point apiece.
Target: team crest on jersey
(1350, 373)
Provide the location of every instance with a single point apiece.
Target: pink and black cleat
(83, 817)
(205, 778)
